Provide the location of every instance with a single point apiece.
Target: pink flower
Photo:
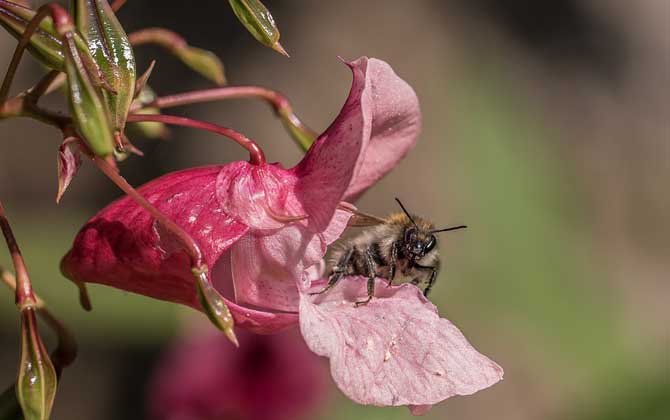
(259, 226)
(264, 230)
(203, 377)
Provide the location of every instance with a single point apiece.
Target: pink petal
(267, 268)
(396, 123)
(378, 124)
(256, 195)
(328, 168)
(123, 247)
(69, 161)
(394, 351)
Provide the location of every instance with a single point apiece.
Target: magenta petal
(394, 351)
(122, 246)
(396, 124)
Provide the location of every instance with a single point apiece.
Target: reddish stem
(256, 155)
(117, 4)
(166, 38)
(18, 52)
(24, 290)
(278, 101)
(191, 246)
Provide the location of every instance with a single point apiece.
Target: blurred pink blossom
(203, 377)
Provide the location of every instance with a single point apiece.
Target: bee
(402, 245)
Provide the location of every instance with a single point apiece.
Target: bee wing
(360, 219)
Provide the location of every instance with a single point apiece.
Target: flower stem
(166, 38)
(117, 4)
(256, 155)
(24, 290)
(191, 246)
(43, 86)
(66, 349)
(279, 103)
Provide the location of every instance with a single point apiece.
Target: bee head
(418, 242)
(418, 239)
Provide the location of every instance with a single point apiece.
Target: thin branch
(189, 243)
(256, 155)
(18, 52)
(24, 290)
(117, 4)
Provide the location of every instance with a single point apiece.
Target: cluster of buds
(253, 226)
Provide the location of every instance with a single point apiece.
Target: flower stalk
(256, 155)
(300, 132)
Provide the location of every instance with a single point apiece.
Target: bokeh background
(546, 130)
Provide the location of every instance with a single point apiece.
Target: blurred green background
(546, 130)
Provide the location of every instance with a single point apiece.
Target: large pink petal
(394, 351)
(378, 124)
(326, 171)
(396, 124)
(123, 246)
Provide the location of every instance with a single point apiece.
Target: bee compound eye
(430, 243)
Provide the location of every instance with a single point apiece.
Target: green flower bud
(89, 110)
(202, 61)
(148, 129)
(215, 308)
(259, 22)
(44, 45)
(37, 381)
(111, 51)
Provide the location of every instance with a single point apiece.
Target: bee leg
(338, 272)
(431, 279)
(372, 274)
(394, 261)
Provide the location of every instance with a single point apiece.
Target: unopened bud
(37, 382)
(111, 51)
(202, 61)
(259, 22)
(214, 307)
(89, 110)
(44, 44)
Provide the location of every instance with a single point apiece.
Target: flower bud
(112, 53)
(44, 45)
(199, 60)
(150, 130)
(259, 22)
(37, 381)
(89, 110)
(202, 61)
(214, 307)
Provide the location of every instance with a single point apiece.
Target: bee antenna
(449, 228)
(406, 212)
